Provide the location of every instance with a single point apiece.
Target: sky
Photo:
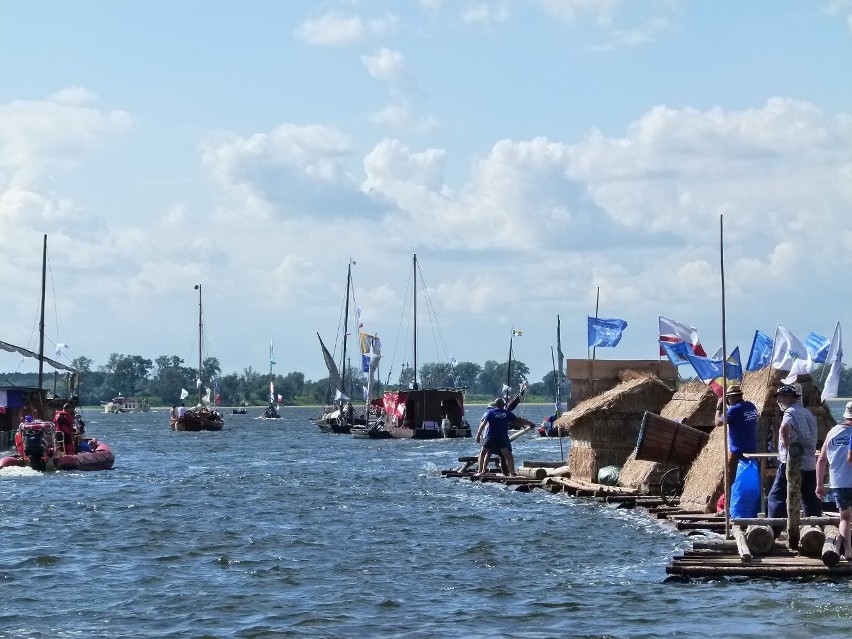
(540, 157)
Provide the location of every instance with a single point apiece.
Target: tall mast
(41, 321)
(509, 369)
(271, 358)
(200, 328)
(415, 322)
(346, 327)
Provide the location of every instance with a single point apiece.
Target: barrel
(668, 442)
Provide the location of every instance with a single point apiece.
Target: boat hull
(102, 458)
(194, 423)
(428, 433)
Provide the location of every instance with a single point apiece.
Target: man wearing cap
(798, 426)
(742, 427)
(836, 452)
(498, 420)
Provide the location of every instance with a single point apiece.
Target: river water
(273, 529)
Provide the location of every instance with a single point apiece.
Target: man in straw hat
(498, 421)
(742, 427)
(798, 426)
(836, 453)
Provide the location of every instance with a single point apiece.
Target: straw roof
(604, 428)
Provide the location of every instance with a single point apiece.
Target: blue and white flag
(834, 357)
(677, 352)
(787, 350)
(605, 332)
(817, 347)
(761, 352)
(710, 370)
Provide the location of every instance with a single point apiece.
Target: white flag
(198, 383)
(339, 396)
(835, 355)
(184, 393)
(789, 354)
(59, 348)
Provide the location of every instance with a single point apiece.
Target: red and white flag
(674, 332)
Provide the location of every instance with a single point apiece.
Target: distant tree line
(161, 381)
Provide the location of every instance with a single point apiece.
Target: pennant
(184, 393)
(671, 331)
(516, 332)
(676, 352)
(761, 352)
(605, 332)
(834, 357)
(817, 347)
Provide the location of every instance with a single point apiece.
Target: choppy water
(272, 529)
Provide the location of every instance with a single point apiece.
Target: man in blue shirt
(742, 427)
(499, 421)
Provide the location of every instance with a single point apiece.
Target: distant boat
(271, 411)
(122, 404)
(239, 411)
(340, 417)
(424, 413)
(201, 417)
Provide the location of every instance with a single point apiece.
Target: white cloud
(384, 63)
(35, 133)
(485, 13)
(334, 28)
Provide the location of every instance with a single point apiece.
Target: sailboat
(50, 433)
(424, 413)
(340, 417)
(271, 411)
(201, 417)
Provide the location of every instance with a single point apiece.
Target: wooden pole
(724, 381)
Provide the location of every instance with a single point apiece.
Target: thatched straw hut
(705, 480)
(694, 404)
(604, 429)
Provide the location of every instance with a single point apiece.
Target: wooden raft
(753, 552)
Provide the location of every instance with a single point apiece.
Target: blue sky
(528, 152)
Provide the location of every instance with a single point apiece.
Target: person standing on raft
(498, 421)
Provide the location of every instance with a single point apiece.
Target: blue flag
(676, 352)
(709, 369)
(605, 332)
(817, 347)
(761, 352)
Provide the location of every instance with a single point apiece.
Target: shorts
(497, 444)
(843, 498)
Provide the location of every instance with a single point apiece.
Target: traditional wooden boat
(426, 413)
(201, 417)
(375, 430)
(668, 442)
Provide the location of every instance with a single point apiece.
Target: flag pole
(724, 379)
(592, 361)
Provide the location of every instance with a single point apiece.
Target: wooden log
(742, 544)
(761, 539)
(832, 547)
(811, 540)
(795, 452)
(542, 464)
(782, 522)
(532, 473)
(559, 471)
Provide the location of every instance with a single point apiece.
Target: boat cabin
(16, 402)
(420, 413)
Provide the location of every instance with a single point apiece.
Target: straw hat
(734, 389)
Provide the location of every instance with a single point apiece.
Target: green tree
(466, 374)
